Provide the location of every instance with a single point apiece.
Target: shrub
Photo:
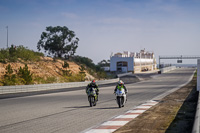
(14, 52)
(66, 72)
(9, 77)
(27, 55)
(66, 65)
(25, 75)
(82, 73)
(93, 69)
(4, 54)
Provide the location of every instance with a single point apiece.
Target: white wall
(198, 74)
(114, 60)
(138, 60)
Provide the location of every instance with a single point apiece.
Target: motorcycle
(92, 97)
(120, 97)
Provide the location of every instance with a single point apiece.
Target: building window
(121, 64)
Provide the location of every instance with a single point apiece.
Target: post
(7, 36)
(159, 63)
(140, 62)
(198, 75)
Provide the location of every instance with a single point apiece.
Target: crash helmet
(120, 82)
(93, 82)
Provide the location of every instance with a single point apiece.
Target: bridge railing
(42, 87)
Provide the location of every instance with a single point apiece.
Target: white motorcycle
(120, 97)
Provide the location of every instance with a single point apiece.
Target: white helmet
(120, 82)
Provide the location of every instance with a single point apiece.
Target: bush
(9, 77)
(27, 55)
(82, 73)
(25, 75)
(4, 54)
(14, 52)
(84, 60)
(93, 69)
(66, 65)
(66, 72)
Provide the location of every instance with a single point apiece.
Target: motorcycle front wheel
(119, 101)
(91, 101)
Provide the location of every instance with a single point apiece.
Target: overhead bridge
(179, 57)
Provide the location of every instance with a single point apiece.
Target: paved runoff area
(119, 121)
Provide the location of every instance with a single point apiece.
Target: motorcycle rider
(120, 85)
(93, 85)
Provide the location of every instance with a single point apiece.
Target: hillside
(45, 70)
(20, 65)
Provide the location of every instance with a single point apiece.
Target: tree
(82, 73)
(9, 77)
(12, 53)
(25, 75)
(104, 63)
(58, 41)
(66, 72)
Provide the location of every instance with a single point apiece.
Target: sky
(165, 27)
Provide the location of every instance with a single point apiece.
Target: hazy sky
(166, 27)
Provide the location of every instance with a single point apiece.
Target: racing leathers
(95, 86)
(120, 86)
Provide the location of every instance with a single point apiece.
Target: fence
(42, 87)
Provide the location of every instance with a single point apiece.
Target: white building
(132, 61)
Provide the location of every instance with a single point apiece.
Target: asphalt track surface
(69, 111)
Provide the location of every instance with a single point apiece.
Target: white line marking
(126, 116)
(115, 123)
(101, 131)
(143, 107)
(136, 111)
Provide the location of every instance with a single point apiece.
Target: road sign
(179, 61)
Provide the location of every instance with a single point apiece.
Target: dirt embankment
(173, 114)
(44, 68)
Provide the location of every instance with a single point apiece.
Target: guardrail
(196, 125)
(167, 69)
(124, 74)
(42, 87)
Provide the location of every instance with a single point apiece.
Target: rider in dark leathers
(93, 85)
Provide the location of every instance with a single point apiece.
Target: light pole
(7, 36)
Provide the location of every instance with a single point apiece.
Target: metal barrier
(124, 74)
(196, 125)
(167, 69)
(42, 87)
